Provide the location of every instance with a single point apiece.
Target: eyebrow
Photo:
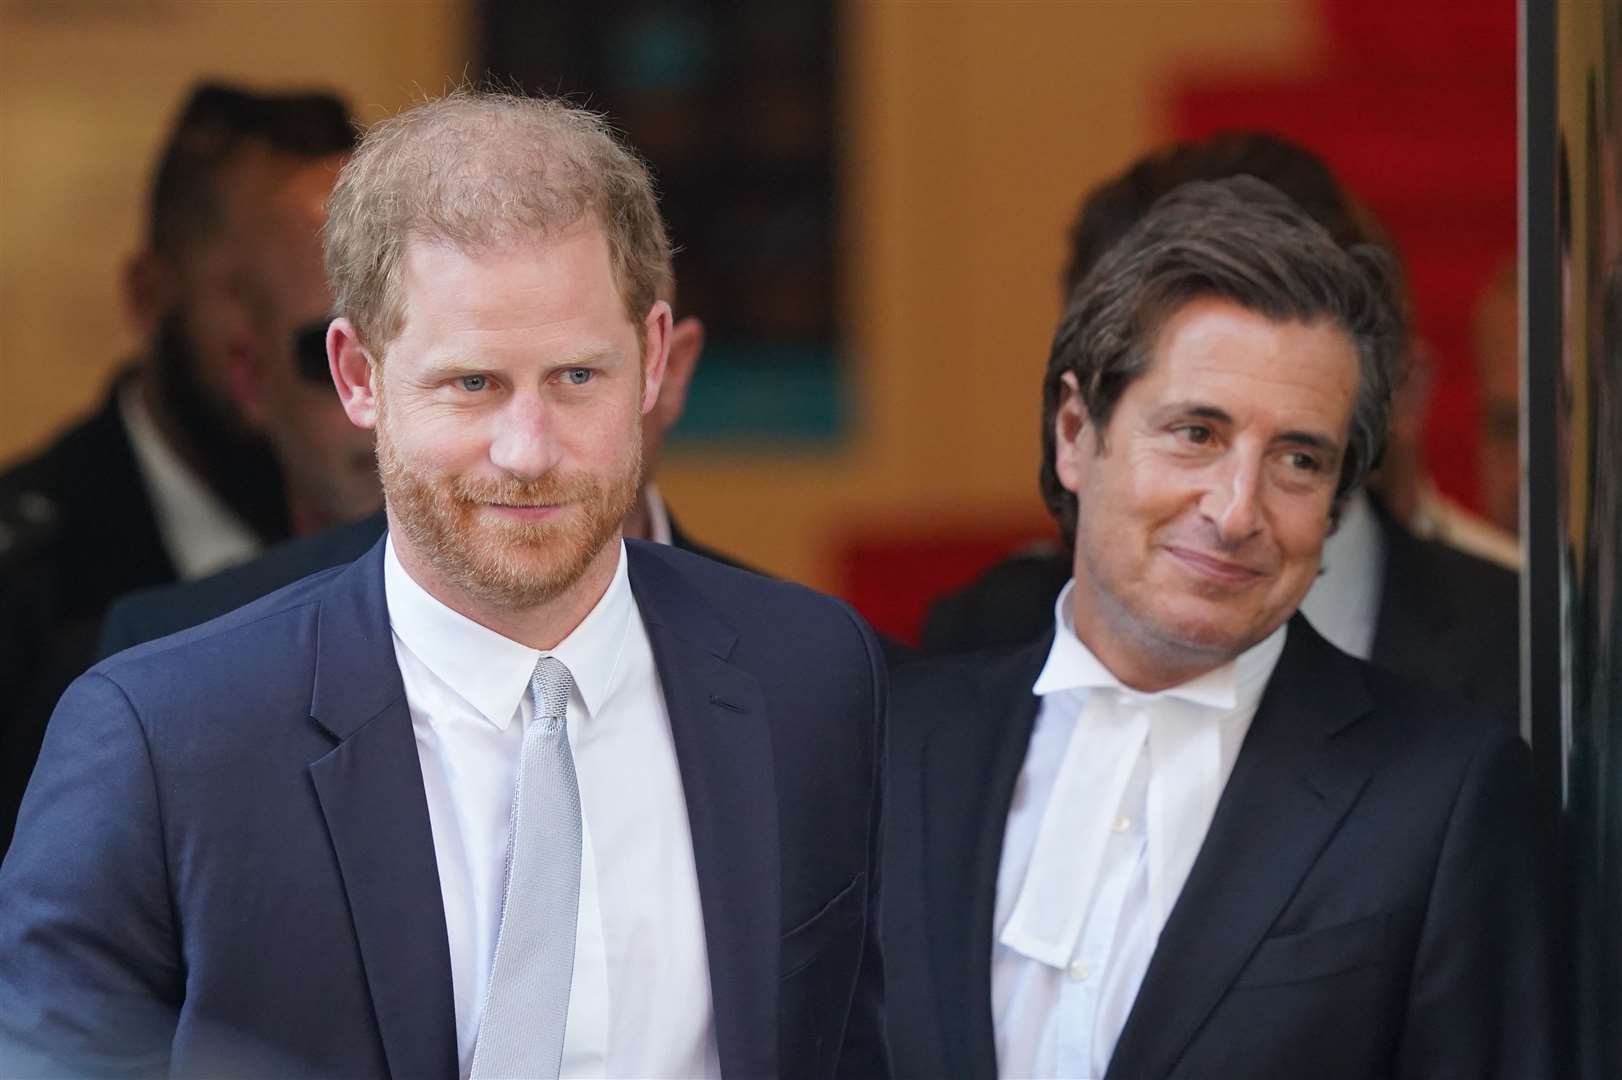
(591, 354)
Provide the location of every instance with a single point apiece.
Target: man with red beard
(510, 795)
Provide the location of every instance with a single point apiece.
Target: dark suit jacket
(166, 609)
(1445, 617)
(223, 865)
(1368, 901)
(76, 531)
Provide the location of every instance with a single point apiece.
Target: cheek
(1300, 534)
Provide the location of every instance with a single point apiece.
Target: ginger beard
(514, 564)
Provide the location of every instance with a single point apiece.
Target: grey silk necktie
(527, 1002)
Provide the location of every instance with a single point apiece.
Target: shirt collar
(200, 532)
(658, 517)
(1071, 665)
(491, 672)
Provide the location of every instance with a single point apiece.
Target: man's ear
(149, 290)
(656, 334)
(686, 345)
(354, 373)
(1072, 434)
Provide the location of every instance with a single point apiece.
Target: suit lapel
(724, 751)
(1286, 797)
(971, 762)
(371, 792)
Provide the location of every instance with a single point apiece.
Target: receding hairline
(484, 171)
(506, 245)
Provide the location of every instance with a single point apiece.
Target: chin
(1215, 633)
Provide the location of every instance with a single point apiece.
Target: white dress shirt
(1344, 603)
(1439, 518)
(639, 1003)
(1111, 807)
(659, 530)
(199, 532)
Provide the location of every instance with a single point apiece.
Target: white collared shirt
(1437, 517)
(1110, 809)
(659, 530)
(1344, 603)
(640, 1001)
(199, 532)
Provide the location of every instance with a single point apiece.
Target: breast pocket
(819, 960)
(1315, 954)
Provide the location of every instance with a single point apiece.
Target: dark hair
(214, 124)
(1115, 206)
(1243, 240)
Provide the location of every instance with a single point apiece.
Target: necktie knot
(549, 687)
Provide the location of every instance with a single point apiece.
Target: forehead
(1213, 351)
(531, 290)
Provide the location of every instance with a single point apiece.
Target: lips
(1214, 567)
(525, 512)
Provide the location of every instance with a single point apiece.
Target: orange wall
(87, 90)
(974, 127)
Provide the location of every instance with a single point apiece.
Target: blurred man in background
(168, 479)
(1416, 606)
(283, 388)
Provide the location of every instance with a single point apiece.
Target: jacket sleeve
(865, 1052)
(1483, 995)
(90, 976)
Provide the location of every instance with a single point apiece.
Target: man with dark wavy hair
(1390, 591)
(1181, 834)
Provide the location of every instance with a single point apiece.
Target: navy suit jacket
(1368, 902)
(223, 864)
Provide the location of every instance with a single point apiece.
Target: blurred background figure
(282, 386)
(1414, 605)
(169, 478)
(1405, 487)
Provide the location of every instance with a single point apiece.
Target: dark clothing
(1445, 617)
(1369, 900)
(77, 530)
(224, 864)
(152, 613)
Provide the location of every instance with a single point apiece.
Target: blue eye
(472, 383)
(577, 376)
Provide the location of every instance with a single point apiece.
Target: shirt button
(1121, 824)
(1078, 972)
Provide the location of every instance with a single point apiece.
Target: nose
(1232, 500)
(524, 443)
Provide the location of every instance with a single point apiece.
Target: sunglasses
(310, 352)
